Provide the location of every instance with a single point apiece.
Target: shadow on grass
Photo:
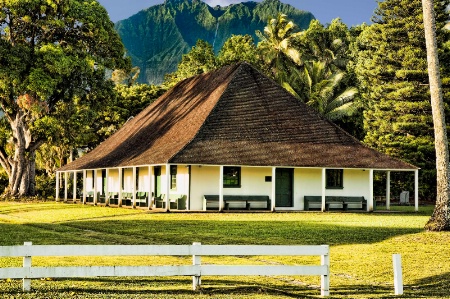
(158, 288)
(205, 231)
(437, 286)
(234, 232)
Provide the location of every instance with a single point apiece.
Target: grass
(361, 248)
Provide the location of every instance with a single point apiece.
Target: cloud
(222, 2)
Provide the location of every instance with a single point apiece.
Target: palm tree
(276, 47)
(440, 220)
(329, 45)
(326, 93)
(315, 82)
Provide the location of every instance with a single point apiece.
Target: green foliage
(238, 48)
(157, 38)
(326, 92)
(130, 101)
(199, 60)
(276, 47)
(45, 185)
(53, 57)
(392, 70)
(312, 64)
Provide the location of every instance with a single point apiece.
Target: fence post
(26, 285)
(398, 276)
(196, 261)
(325, 279)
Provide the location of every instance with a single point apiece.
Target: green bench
(211, 202)
(90, 196)
(127, 198)
(344, 201)
(176, 201)
(141, 199)
(113, 198)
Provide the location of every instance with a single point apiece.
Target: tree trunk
(22, 164)
(439, 221)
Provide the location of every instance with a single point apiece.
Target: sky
(351, 12)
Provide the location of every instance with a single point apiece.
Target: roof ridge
(235, 67)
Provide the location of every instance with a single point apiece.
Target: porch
(183, 187)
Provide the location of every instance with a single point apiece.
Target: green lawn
(361, 246)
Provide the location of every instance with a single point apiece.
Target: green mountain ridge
(157, 37)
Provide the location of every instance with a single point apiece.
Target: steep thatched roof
(232, 116)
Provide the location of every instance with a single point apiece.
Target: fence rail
(196, 270)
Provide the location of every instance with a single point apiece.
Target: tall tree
(277, 49)
(200, 59)
(51, 52)
(329, 44)
(322, 81)
(440, 219)
(238, 48)
(326, 92)
(392, 70)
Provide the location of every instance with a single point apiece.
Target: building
(229, 132)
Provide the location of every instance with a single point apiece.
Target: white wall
(205, 181)
(89, 181)
(113, 180)
(182, 180)
(308, 182)
(143, 179)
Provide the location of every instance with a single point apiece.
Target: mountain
(157, 37)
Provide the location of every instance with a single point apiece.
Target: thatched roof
(232, 116)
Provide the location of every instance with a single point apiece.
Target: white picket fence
(196, 270)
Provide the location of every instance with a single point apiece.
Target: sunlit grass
(361, 245)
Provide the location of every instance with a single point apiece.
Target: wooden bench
(176, 201)
(141, 199)
(237, 201)
(343, 201)
(113, 198)
(90, 196)
(127, 198)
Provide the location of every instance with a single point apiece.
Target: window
(335, 178)
(231, 177)
(173, 177)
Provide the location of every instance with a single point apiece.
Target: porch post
(95, 186)
(370, 205)
(66, 178)
(119, 203)
(134, 187)
(107, 188)
(388, 190)
(416, 190)
(150, 187)
(57, 187)
(167, 187)
(74, 191)
(84, 186)
(188, 189)
(274, 195)
(323, 208)
(221, 188)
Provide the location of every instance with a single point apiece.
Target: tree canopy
(53, 57)
(392, 71)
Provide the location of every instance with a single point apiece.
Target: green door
(284, 187)
(104, 181)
